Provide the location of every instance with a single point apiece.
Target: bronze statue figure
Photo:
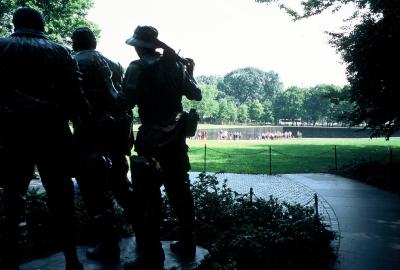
(103, 144)
(39, 95)
(156, 83)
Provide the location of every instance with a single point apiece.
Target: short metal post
(336, 159)
(316, 204)
(205, 158)
(251, 195)
(270, 160)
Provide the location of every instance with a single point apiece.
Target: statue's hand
(190, 66)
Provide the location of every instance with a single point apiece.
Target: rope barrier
(241, 154)
(375, 154)
(295, 156)
(323, 153)
(195, 150)
(307, 202)
(283, 154)
(370, 151)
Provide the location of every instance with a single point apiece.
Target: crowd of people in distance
(201, 135)
(221, 135)
(237, 135)
(225, 135)
(279, 135)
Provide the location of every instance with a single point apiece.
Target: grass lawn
(288, 156)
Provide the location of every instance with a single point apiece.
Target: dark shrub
(377, 173)
(245, 232)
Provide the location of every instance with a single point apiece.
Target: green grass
(288, 156)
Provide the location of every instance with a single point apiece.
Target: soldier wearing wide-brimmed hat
(156, 83)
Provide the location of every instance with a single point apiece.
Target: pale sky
(223, 35)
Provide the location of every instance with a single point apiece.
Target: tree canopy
(371, 50)
(289, 104)
(62, 16)
(248, 84)
(319, 105)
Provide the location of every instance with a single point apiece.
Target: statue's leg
(92, 180)
(119, 183)
(147, 214)
(177, 186)
(16, 172)
(60, 197)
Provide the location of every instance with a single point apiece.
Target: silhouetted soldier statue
(39, 95)
(104, 144)
(156, 83)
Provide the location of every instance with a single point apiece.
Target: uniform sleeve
(130, 93)
(191, 89)
(77, 100)
(117, 74)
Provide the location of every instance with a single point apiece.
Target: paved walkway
(369, 221)
(366, 219)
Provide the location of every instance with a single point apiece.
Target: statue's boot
(105, 252)
(108, 250)
(71, 259)
(185, 249)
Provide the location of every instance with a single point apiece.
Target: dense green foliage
(62, 17)
(289, 104)
(38, 237)
(242, 231)
(247, 84)
(249, 95)
(370, 47)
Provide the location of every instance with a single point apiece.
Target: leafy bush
(37, 235)
(245, 232)
(377, 173)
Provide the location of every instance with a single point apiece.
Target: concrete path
(369, 220)
(366, 219)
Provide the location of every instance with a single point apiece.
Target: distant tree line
(369, 45)
(252, 96)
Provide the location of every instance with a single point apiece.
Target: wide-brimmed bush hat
(145, 37)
